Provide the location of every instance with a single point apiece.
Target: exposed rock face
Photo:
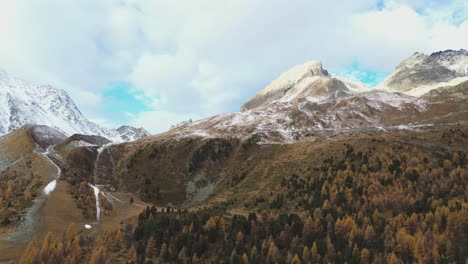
(306, 80)
(46, 136)
(455, 90)
(128, 133)
(422, 73)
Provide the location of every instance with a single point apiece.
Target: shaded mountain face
(23, 103)
(421, 73)
(307, 80)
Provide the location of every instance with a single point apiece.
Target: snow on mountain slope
(287, 122)
(307, 101)
(23, 103)
(306, 80)
(421, 73)
(128, 133)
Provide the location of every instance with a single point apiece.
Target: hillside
(361, 196)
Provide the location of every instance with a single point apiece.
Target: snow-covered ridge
(287, 122)
(22, 103)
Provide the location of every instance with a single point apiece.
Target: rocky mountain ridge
(421, 73)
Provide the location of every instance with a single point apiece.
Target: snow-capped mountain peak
(307, 80)
(23, 103)
(455, 60)
(295, 75)
(421, 73)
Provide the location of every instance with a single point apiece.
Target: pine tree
(365, 256)
(315, 257)
(151, 249)
(99, 256)
(132, 255)
(239, 237)
(30, 254)
(296, 260)
(451, 251)
(222, 224)
(370, 236)
(245, 259)
(233, 257)
(289, 257)
(435, 254)
(308, 229)
(46, 246)
(305, 254)
(118, 240)
(164, 253)
(356, 255)
(253, 253)
(393, 259)
(388, 239)
(331, 252)
(272, 252)
(9, 191)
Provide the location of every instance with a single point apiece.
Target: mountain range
(307, 100)
(358, 168)
(22, 103)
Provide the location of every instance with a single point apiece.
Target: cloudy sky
(153, 63)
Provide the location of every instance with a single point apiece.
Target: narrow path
(51, 185)
(31, 219)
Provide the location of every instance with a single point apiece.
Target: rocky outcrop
(421, 73)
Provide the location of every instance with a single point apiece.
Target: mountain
(23, 102)
(421, 73)
(310, 153)
(306, 101)
(307, 80)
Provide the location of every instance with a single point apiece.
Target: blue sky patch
(121, 97)
(358, 73)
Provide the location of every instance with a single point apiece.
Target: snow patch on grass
(50, 187)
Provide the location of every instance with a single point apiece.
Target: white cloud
(205, 57)
(382, 38)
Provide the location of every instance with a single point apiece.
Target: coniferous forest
(401, 205)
